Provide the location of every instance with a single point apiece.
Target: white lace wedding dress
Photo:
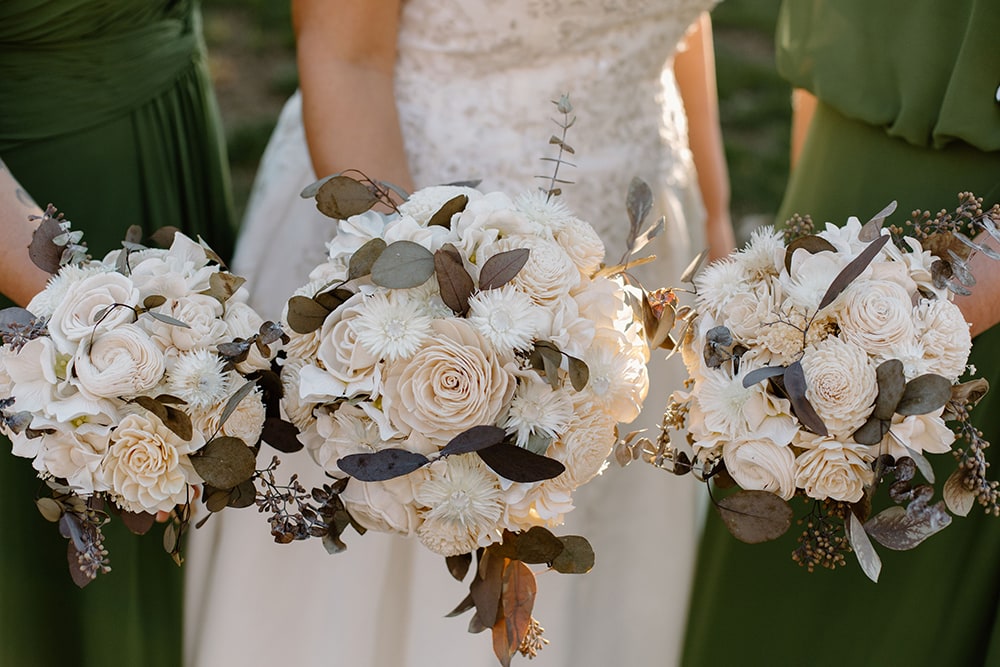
(474, 84)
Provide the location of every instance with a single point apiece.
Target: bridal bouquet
(459, 365)
(822, 365)
(129, 382)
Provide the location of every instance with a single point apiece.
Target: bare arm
(694, 67)
(346, 58)
(20, 279)
(803, 107)
(982, 307)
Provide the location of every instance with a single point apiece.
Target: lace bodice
(475, 80)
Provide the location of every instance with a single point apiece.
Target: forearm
(982, 307)
(694, 68)
(20, 279)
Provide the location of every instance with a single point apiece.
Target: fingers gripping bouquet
(129, 382)
(825, 365)
(459, 366)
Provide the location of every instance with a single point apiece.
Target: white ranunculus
(833, 469)
(761, 465)
(877, 316)
(945, 337)
(840, 384)
(386, 506)
(810, 277)
(245, 422)
(123, 362)
(203, 316)
(454, 382)
(147, 465)
(76, 317)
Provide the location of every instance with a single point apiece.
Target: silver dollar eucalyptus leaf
(957, 496)
(895, 529)
(868, 558)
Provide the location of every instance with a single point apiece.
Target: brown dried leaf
(465, 605)
(872, 229)
(577, 556)
(458, 566)
(442, 218)
(342, 196)
(474, 439)
(364, 257)
(244, 495)
(454, 282)
(487, 587)
(891, 387)
(501, 268)
(305, 315)
(517, 602)
(579, 373)
(518, 464)
(923, 394)
(223, 285)
(854, 269)
(382, 465)
(957, 496)
(42, 251)
(755, 516)
(966, 393)
(811, 244)
(795, 386)
(281, 434)
(163, 237)
(138, 523)
(536, 545)
(224, 462)
(692, 268)
(872, 431)
(51, 510)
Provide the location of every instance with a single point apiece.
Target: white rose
(451, 384)
(245, 422)
(921, 433)
(877, 316)
(124, 362)
(74, 454)
(203, 316)
(585, 446)
(840, 384)
(425, 202)
(810, 277)
(350, 368)
(945, 337)
(87, 301)
(387, 506)
(44, 303)
(618, 379)
(147, 465)
(582, 244)
(761, 465)
(832, 469)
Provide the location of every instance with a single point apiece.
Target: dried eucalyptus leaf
(755, 516)
(985, 249)
(216, 500)
(924, 394)
(891, 387)
(224, 462)
(853, 269)
(310, 190)
(517, 602)
(458, 566)
(868, 558)
(166, 319)
(382, 465)
(487, 587)
(474, 439)
(518, 464)
(234, 401)
(179, 422)
(171, 538)
(812, 244)
(957, 496)
(872, 431)
(305, 315)
(501, 268)
(364, 257)
(923, 465)
(442, 218)
(153, 301)
(163, 237)
(872, 229)
(454, 282)
(333, 298)
(762, 373)
(281, 434)
(579, 373)
(42, 250)
(342, 196)
(536, 545)
(402, 265)
(966, 394)
(49, 509)
(153, 405)
(538, 443)
(692, 268)
(465, 605)
(244, 495)
(223, 285)
(138, 523)
(961, 270)
(664, 324)
(893, 528)
(638, 204)
(577, 556)
(795, 385)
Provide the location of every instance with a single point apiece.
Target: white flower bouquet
(460, 365)
(823, 366)
(125, 381)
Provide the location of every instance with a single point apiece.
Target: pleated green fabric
(937, 604)
(106, 111)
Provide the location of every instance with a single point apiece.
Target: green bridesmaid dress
(908, 111)
(106, 111)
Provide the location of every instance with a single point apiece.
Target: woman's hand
(20, 279)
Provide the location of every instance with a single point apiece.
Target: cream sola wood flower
(463, 504)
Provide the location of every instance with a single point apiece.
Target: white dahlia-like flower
(618, 378)
(718, 282)
(583, 245)
(764, 253)
(832, 469)
(537, 408)
(840, 384)
(509, 319)
(876, 315)
(391, 328)
(549, 213)
(198, 378)
(464, 505)
(945, 336)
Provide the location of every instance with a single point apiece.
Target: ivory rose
(124, 362)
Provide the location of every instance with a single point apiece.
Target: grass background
(252, 58)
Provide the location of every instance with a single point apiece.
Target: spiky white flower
(198, 378)
(538, 408)
(549, 213)
(464, 504)
(763, 254)
(506, 317)
(45, 302)
(391, 328)
(718, 282)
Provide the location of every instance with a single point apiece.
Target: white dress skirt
(475, 80)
